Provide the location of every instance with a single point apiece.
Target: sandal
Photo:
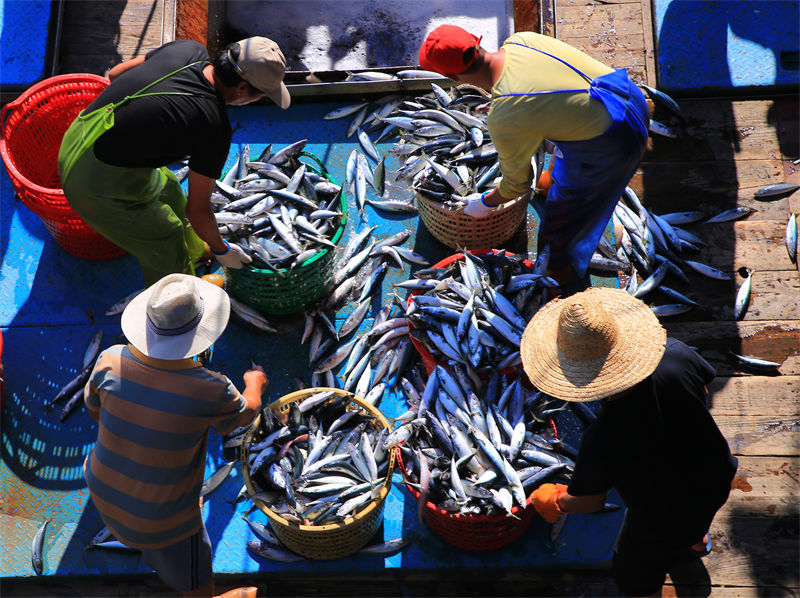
(705, 551)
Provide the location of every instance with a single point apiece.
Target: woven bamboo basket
(335, 540)
(459, 231)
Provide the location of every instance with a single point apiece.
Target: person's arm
(199, 212)
(123, 67)
(255, 383)
(92, 400)
(581, 504)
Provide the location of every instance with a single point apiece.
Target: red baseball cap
(443, 50)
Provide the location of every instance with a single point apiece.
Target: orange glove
(545, 501)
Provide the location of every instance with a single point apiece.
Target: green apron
(142, 210)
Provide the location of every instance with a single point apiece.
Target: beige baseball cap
(262, 64)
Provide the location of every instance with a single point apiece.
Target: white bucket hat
(179, 316)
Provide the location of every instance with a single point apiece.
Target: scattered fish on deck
(776, 191)
(37, 548)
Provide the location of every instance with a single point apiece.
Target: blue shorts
(184, 566)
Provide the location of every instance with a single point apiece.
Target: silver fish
(273, 553)
(37, 546)
(790, 237)
(660, 128)
(775, 191)
(707, 270)
(731, 214)
(743, 296)
(755, 363)
(216, 479)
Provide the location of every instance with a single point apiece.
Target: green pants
(142, 210)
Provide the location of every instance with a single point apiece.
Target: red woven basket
(476, 533)
(33, 126)
(428, 360)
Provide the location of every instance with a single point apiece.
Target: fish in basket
(316, 466)
(472, 452)
(288, 218)
(471, 308)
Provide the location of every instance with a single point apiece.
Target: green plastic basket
(298, 288)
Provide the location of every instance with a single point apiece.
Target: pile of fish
(444, 146)
(276, 208)
(364, 359)
(654, 247)
(473, 311)
(320, 464)
(474, 447)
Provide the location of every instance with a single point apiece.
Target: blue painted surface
(25, 27)
(707, 47)
(53, 303)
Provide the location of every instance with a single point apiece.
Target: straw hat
(592, 345)
(179, 316)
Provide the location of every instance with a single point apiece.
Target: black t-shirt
(660, 448)
(154, 131)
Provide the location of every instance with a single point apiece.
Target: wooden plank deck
(728, 149)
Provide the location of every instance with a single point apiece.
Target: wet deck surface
(728, 150)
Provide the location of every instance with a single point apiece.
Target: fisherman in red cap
(543, 89)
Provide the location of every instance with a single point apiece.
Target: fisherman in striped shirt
(154, 406)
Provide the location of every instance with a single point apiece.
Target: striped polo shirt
(146, 470)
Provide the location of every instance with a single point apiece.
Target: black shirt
(154, 131)
(660, 448)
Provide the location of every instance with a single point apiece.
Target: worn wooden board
(764, 486)
(757, 244)
(759, 415)
(597, 20)
(694, 184)
(755, 551)
(775, 340)
(761, 435)
(755, 395)
(720, 130)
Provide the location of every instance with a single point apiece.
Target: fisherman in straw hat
(653, 439)
(154, 406)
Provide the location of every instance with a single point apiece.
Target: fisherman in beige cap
(159, 109)
(653, 440)
(154, 405)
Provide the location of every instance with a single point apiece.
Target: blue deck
(720, 47)
(28, 30)
(52, 305)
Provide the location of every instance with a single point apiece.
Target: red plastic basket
(477, 533)
(428, 360)
(33, 126)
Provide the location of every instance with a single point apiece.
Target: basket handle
(4, 112)
(319, 168)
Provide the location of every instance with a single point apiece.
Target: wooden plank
(752, 551)
(755, 395)
(623, 52)
(651, 73)
(757, 244)
(762, 435)
(776, 341)
(774, 295)
(601, 21)
(758, 415)
(526, 15)
(763, 487)
(710, 186)
(719, 130)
